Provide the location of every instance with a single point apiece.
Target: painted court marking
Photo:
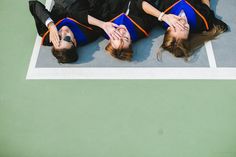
(212, 72)
(210, 54)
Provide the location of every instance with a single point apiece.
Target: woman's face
(177, 32)
(124, 41)
(67, 38)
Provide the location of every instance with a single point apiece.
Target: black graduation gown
(75, 9)
(107, 10)
(205, 16)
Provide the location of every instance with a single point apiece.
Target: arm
(149, 9)
(170, 19)
(40, 13)
(108, 27)
(96, 22)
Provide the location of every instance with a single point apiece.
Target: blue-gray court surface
(212, 61)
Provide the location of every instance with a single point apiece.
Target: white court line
(49, 4)
(134, 73)
(212, 73)
(210, 54)
(34, 57)
(37, 44)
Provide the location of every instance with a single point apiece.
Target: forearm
(39, 11)
(108, 27)
(207, 2)
(95, 22)
(149, 9)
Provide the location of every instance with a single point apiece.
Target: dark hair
(185, 47)
(65, 55)
(179, 48)
(124, 54)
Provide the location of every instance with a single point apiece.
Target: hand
(53, 34)
(173, 21)
(111, 31)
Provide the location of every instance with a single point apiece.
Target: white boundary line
(210, 54)
(213, 72)
(33, 60)
(49, 4)
(37, 45)
(133, 73)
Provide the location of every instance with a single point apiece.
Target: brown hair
(124, 54)
(185, 47)
(65, 55)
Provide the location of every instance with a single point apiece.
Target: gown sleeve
(38, 10)
(79, 11)
(210, 16)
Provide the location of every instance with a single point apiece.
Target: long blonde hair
(185, 47)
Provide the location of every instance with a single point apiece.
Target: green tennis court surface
(111, 118)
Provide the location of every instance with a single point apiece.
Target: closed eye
(126, 39)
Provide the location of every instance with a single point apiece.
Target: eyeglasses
(67, 39)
